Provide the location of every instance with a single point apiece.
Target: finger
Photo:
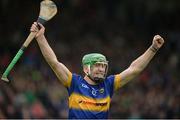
(157, 36)
(34, 28)
(159, 41)
(41, 26)
(35, 23)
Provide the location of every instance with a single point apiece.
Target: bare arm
(138, 65)
(60, 70)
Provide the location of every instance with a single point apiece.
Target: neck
(89, 81)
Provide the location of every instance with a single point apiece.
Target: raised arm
(138, 65)
(63, 74)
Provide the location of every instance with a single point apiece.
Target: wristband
(154, 49)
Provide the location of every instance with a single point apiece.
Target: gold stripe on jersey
(69, 79)
(117, 80)
(80, 102)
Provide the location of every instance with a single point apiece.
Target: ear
(85, 69)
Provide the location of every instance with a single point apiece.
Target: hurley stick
(48, 9)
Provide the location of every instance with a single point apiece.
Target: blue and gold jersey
(90, 101)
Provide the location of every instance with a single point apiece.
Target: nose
(101, 68)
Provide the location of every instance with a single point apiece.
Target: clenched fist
(39, 31)
(157, 43)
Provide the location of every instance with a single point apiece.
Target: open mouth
(99, 74)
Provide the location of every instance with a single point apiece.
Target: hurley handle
(11, 65)
(20, 52)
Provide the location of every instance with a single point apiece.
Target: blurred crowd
(120, 29)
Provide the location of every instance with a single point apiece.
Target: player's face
(98, 70)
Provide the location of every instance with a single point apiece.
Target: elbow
(135, 71)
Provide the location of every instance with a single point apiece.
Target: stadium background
(120, 29)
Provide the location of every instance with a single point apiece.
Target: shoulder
(113, 80)
(110, 78)
(76, 77)
(75, 81)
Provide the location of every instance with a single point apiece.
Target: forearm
(46, 50)
(141, 62)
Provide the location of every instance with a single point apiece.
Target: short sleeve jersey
(90, 101)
